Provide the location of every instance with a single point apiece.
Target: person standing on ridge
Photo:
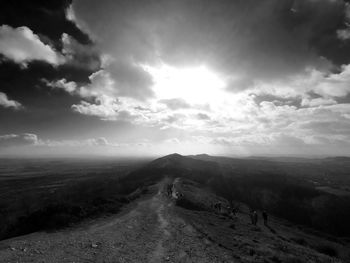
(264, 215)
(255, 217)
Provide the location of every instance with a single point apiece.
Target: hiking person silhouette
(169, 190)
(218, 206)
(234, 211)
(255, 217)
(264, 215)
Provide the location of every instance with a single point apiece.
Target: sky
(153, 77)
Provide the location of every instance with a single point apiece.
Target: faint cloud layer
(27, 139)
(10, 140)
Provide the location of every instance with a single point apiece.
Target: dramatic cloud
(243, 39)
(22, 46)
(224, 76)
(132, 82)
(106, 109)
(68, 86)
(334, 85)
(79, 55)
(7, 103)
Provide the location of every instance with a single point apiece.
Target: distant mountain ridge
(176, 161)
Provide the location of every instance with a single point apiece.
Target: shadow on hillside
(69, 205)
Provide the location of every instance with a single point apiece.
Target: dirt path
(159, 251)
(149, 232)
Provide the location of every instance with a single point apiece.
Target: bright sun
(196, 85)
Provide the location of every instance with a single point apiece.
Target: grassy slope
(280, 242)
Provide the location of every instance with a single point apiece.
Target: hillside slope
(157, 229)
(279, 241)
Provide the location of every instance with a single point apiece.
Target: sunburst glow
(196, 85)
